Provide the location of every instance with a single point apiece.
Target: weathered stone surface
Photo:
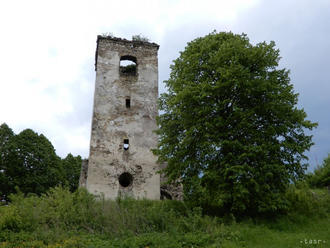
(172, 191)
(83, 173)
(114, 123)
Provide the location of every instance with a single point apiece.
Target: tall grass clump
(62, 215)
(308, 202)
(305, 206)
(80, 211)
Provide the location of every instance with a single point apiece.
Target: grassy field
(64, 219)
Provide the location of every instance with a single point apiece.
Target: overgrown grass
(64, 219)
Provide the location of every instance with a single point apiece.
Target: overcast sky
(47, 53)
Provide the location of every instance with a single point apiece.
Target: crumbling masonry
(124, 119)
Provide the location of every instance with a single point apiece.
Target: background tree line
(28, 162)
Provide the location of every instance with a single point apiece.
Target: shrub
(308, 202)
(140, 37)
(10, 219)
(321, 175)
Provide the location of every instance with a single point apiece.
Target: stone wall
(114, 170)
(171, 191)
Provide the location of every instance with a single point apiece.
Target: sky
(47, 51)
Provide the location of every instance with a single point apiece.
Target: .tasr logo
(312, 241)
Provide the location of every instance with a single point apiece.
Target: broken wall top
(125, 42)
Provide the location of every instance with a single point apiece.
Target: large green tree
(230, 128)
(28, 161)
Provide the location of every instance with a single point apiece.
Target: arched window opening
(125, 179)
(128, 65)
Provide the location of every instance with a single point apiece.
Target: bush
(140, 37)
(10, 219)
(321, 175)
(304, 201)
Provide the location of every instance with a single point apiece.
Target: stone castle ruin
(124, 119)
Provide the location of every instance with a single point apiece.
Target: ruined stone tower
(124, 118)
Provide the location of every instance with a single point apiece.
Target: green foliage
(61, 209)
(71, 167)
(108, 34)
(140, 37)
(129, 69)
(61, 218)
(6, 135)
(230, 128)
(10, 219)
(321, 175)
(308, 202)
(28, 162)
(52, 216)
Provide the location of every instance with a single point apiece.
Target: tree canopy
(28, 161)
(5, 136)
(230, 129)
(72, 166)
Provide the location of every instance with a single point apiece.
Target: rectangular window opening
(128, 103)
(126, 144)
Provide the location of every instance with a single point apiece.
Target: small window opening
(125, 179)
(128, 65)
(128, 103)
(126, 144)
